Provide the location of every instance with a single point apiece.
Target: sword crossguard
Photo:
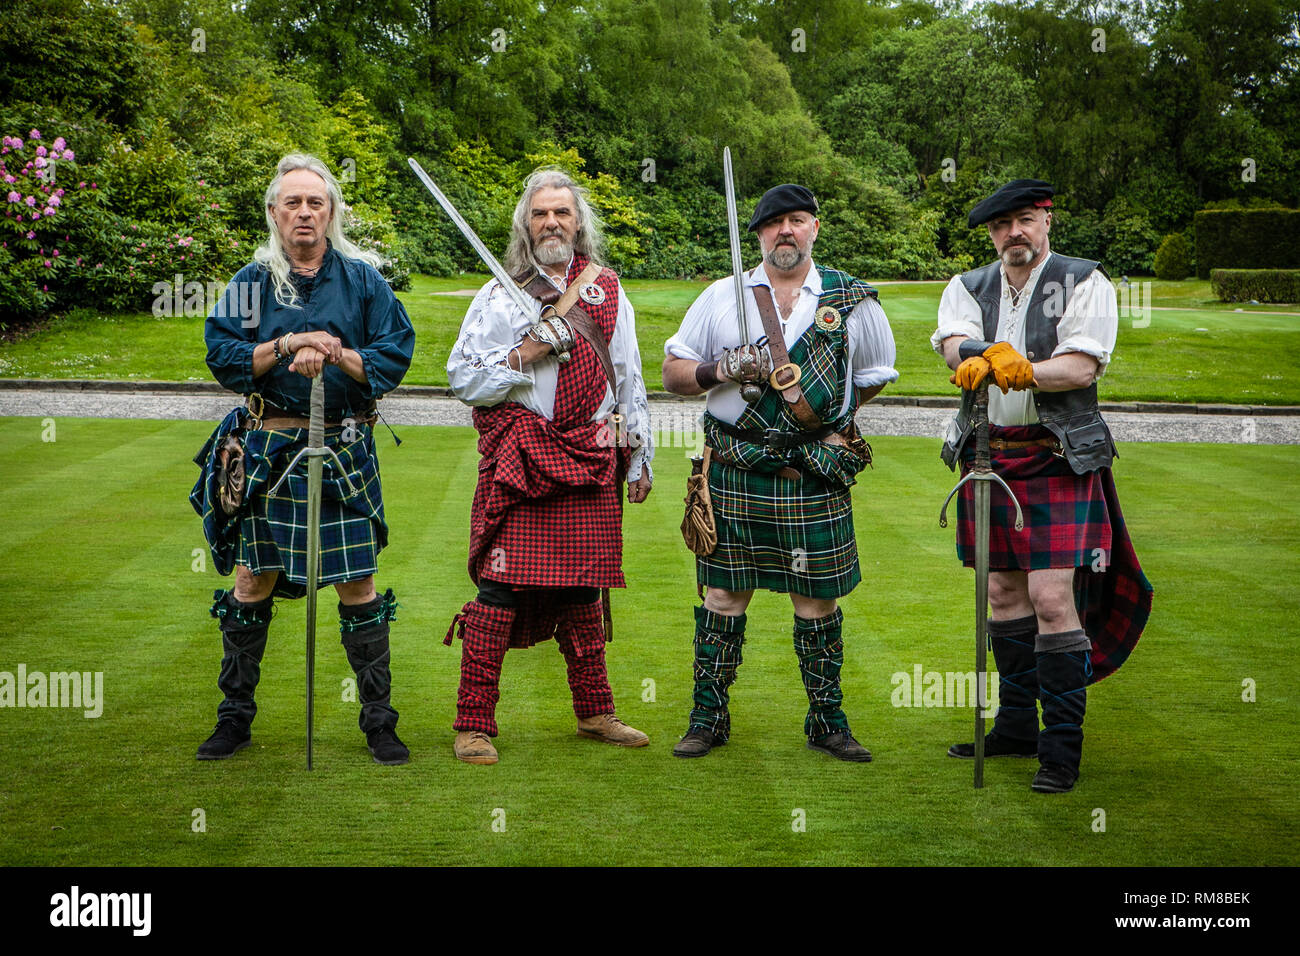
(982, 476)
(325, 452)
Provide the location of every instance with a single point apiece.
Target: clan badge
(828, 319)
(591, 294)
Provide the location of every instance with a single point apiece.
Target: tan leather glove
(971, 373)
(1011, 370)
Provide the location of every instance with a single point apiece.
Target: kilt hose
(1071, 521)
(269, 533)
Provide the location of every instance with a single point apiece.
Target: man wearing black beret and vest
(1067, 597)
(780, 469)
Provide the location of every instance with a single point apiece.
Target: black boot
(1063, 682)
(1015, 728)
(364, 629)
(718, 642)
(243, 639)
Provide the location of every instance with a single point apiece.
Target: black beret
(1016, 194)
(782, 199)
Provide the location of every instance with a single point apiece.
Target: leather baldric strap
(785, 374)
(568, 306)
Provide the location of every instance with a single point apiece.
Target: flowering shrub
(34, 250)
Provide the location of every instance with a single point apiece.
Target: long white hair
(590, 239)
(271, 253)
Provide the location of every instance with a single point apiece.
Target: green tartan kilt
(780, 534)
(273, 529)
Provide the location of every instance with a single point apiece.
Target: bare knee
(1052, 593)
(361, 591)
(811, 608)
(1009, 595)
(251, 588)
(727, 603)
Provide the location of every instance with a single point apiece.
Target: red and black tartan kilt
(1067, 523)
(1070, 521)
(571, 540)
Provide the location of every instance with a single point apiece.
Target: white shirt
(1089, 324)
(494, 325)
(710, 325)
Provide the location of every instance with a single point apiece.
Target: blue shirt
(350, 300)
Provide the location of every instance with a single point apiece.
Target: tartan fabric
(546, 509)
(270, 532)
(719, 641)
(820, 648)
(1067, 524)
(1070, 521)
(485, 633)
(581, 637)
(580, 386)
(780, 534)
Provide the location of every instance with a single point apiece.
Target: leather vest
(1073, 417)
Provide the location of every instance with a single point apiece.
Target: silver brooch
(591, 294)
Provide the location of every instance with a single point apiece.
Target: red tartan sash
(580, 386)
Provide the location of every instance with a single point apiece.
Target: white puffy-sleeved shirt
(1090, 324)
(494, 324)
(710, 325)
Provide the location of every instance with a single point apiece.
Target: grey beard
(549, 255)
(786, 257)
(1019, 255)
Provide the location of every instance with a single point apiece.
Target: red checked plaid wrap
(546, 509)
(1071, 521)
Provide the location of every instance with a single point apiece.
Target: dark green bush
(1174, 258)
(1256, 285)
(1247, 239)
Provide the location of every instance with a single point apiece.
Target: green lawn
(1189, 349)
(97, 573)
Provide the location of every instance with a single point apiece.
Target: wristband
(706, 375)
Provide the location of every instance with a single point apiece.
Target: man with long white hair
(310, 304)
(545, 529)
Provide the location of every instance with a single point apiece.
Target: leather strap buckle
(798, 374)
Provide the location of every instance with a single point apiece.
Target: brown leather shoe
(610, 729)
(841, 746)
(474, 746)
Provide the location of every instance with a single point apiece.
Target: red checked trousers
(485, 637)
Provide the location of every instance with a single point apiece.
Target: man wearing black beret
(780, 467)
(1067, 596)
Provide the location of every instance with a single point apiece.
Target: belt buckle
(256, 409)
(772, 438)
(796, 370)
(1058, 449)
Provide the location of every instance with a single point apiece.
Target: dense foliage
(899, 115)
(1256, 285)
(1247, 239)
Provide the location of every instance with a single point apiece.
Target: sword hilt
(316, 447)
(983, 467)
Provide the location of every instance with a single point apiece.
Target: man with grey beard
(546, 385)
(780, 470)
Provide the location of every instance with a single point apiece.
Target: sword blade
(733, 235)
(981, 625)
(528, 305)
(315, 466)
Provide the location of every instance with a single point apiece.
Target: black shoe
(225, 741)
(697, 743)
(386, 748)
(841, 746)
(995, 745)
(1054, 778)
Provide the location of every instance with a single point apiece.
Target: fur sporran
(230, 473)
(698, 528)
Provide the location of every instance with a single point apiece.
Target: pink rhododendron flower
(31, 235)
(41, 151)
(39, 162)
(34, 134)
(55, 201)
(49, 211)
(60, 142)
(35, 216)
(69, 154)
(14, 197)
(30, 200)
(47, 263)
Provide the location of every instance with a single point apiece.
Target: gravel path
(429, 406)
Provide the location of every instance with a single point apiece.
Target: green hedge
(1247, 239)
(1258, 285)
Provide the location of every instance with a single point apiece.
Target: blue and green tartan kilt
(273, 529)
(780, 534)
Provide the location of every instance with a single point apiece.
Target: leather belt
(997, 444)
(277, 418)
(775, 438)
